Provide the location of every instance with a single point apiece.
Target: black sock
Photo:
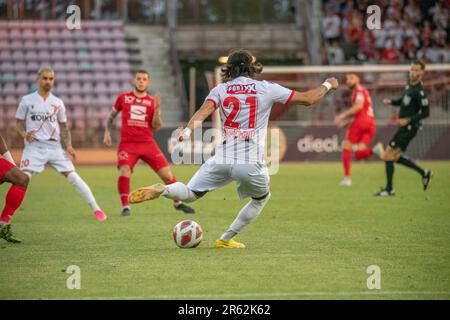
(389, 174)
(406, 162)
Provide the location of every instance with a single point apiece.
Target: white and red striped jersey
(245, 106)
(42, 116)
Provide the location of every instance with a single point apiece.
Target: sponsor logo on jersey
(43, 117)
(123, 155)
(138, 112)
(242, 88)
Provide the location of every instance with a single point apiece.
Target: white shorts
(252, 178)
(37, 154)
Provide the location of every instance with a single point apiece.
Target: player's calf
(247, 215)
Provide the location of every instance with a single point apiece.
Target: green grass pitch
(314, 240)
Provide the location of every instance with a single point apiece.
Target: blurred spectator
(366, 44)
(440, 15)
(331, 26)
(335, 54)
(410, 29)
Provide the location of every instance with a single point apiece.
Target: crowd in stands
(410, 29)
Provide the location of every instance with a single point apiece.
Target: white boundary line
(268, 295)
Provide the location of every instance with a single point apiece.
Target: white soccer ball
(187, 234)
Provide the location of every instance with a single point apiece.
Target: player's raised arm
(315, 95)
(156, 121)
(107, 140)
(204, 112)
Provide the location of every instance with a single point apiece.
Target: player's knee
(362, 147)
(198, 194)
(264, 198)
(20, 179)
(125, 171)
(347, 145)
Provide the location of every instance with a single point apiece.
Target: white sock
(7, 155)
(83, 189)
(249, 213)
(179, 191)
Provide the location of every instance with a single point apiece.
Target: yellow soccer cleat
(232, 244)
(146, 193)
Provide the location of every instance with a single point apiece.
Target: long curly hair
(240, 62)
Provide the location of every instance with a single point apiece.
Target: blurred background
(180, 44)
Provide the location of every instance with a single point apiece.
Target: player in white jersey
(245, 106)
(41, 120)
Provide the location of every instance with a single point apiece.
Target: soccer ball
(187, 234)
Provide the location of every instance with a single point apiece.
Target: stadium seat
(5, 56)
(9, 89)
(91, 65)
(15, 45)
(22, 89)
(4, 45)
(20, 67)
(41, 34)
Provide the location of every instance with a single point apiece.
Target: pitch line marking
(268, 294)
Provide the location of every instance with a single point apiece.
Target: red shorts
(361, 133)
(130, 152)
(5, 166)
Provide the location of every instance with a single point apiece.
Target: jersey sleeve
(424, 110)
(118, 105)
(62, 115)
(359, 97)
(280, 94)
(22, 110)
(214, 97)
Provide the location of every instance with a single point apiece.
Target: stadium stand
(92, 66)
(411, 29)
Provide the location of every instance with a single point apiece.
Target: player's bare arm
(107, 140)
(156, 121)
(20, 127)
(315, 95)
(204, 112)
(3, 146)
(66, 139)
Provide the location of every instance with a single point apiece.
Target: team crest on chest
(129, 99)
(406, 100)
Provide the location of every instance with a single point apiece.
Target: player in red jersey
(140, 117)
(19, 180)
(362, 127)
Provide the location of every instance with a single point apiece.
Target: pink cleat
(100, 215)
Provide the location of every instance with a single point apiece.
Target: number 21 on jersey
(234, 104)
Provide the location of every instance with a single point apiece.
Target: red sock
(173, 180)
(123, 185)
(14, 198)
(363, 154)
(347, 160)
